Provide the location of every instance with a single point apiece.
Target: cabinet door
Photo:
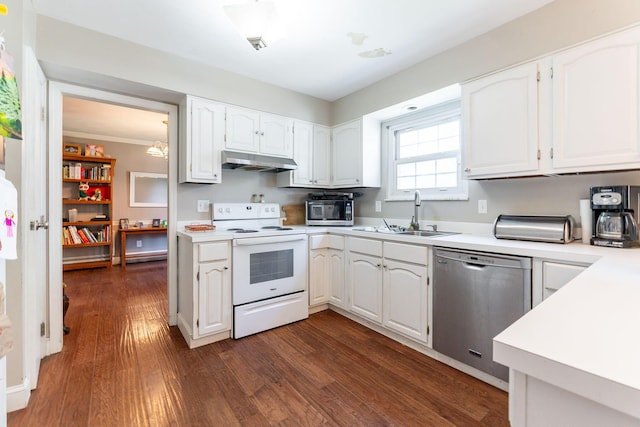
(206, 141)
(303, 153)
(347, 155)
(318, 274)
(336, 275)
(214, 297)
(366, 286)
(276, 135)
(500, 123)
(595, 104)
(321, 156)
(556, 275)
(243, 130)
(405, 299)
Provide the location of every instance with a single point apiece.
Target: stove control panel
(233, 211)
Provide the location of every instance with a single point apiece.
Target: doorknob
(37, 225)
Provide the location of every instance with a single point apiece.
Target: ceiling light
(158, 149)
(357, 38)
(257, 21)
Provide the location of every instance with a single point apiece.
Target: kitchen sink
(427, 233)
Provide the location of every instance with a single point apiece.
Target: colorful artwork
(9, 221)
(10, 112)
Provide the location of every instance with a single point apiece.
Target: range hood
(256, 162)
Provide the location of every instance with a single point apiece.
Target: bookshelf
(87, 211)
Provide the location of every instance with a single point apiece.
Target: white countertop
(585, 338)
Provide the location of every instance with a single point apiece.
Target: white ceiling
(317, 57)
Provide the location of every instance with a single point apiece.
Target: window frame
(423, 118)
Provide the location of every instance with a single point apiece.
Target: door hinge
(43, 114)
(551, 72)
(538, 75)
(428, 330)
(197, 323)
(539, 154)
(551, 152)
(198, 276)
(42, 329)
(428, 281)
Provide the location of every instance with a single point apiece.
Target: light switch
(378, 206)
(203, 206)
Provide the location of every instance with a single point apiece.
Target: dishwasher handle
(442, 256)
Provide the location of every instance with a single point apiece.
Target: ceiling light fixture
(375, 53)
(258, 21)
(158, 149)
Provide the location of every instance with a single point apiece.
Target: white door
(347, 156)
(500, 123)
(214, 297)
(321, 156)
(366, 286)
(34, 216)
(276, 135)
(405, 298)
(302, 153)
(318, 283)
(596, 104)
(336, 277)
(242, 130)
(207, 135)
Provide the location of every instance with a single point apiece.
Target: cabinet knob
(261, 133)
(467, 170)
(226, 268)
(257, 132)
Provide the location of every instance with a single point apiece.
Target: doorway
(59, 93)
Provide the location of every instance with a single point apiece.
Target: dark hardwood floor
(122, 365)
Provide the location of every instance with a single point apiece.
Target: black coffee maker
(615, 216)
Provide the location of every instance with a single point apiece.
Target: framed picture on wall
(156, 222)
(72, 149)
(124, 223)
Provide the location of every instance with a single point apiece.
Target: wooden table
(135, 231)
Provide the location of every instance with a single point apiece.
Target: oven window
(268, 266)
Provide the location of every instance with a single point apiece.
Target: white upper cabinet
(261, 133)
(202, 129)
(500, 123)
(595, 105)
(311, 152)
(356, 154)
(573, 111)
(321, 156)
(243, 130)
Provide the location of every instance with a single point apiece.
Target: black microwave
(329, 209)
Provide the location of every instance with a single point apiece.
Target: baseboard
(18, 396)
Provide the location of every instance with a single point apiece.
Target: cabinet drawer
(326, 241)
(365, 246)
(213, 251)
(555, 276)
(407, 253)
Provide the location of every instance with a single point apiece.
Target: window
(425, 154)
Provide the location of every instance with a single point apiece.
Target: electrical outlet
(138, 243)
(482, 206)
(378, 206)
(203, 206)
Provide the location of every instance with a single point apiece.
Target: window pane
(406, 169)
(426, 181)
(426, 148)
(406, 183)
(447, 180)
(423, 168)
(449, 129)
(449, 144)
(428, 134)
(447, 165)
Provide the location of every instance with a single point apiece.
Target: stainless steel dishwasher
(476, 295)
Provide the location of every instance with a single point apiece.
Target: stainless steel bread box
(550, 229)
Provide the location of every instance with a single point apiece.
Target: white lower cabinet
(326, 270)
(388, 284)
(404, 289)
(555, 275)
(204, 291)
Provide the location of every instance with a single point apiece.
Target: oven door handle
(266, 240)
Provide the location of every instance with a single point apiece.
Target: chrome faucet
(417, 202)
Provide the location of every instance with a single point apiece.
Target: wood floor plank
(122, 365)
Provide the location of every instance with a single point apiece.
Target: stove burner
(241, 230)
(276, 227)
